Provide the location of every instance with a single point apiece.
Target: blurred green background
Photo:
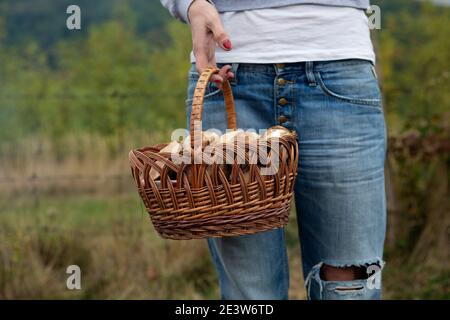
(73, 103)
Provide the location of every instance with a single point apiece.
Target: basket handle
(199, 95)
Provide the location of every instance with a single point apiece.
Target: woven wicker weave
(211, 201)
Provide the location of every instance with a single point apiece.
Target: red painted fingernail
(227, 44)
(217, 81)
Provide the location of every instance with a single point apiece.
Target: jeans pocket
(212, 99)
(211, 89)
(352, 83)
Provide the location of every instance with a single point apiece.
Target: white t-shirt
(296, 33)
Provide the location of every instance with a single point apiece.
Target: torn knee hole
(351, 288)
(331, 273)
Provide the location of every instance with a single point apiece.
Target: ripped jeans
(335, 107)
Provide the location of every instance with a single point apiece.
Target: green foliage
(415, 60)
(127, 69)
(44, 20)
(107, 83)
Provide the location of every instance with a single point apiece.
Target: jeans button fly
(282, 101)
(281, 82)
(282, 119)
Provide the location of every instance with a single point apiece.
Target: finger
(216, 78)
(220, 36)
(217, 83)
(202, 63)
(223, 72)
(200, 50)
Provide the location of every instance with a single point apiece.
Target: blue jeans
(335, 108)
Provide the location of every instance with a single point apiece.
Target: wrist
(193, 5)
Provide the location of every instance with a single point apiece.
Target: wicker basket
(208, 202)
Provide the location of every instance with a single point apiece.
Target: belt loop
(234, 69)
(309, 70)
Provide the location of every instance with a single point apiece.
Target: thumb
(220, 36)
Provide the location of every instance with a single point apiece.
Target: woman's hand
(207, 30)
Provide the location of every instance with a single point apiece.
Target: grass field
(121, 257)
